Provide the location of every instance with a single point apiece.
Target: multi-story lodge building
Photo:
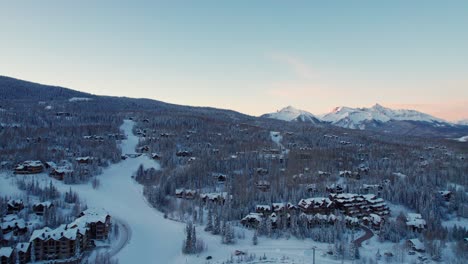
(67, 242)
(355, 208)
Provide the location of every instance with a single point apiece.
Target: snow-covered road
(153, 238)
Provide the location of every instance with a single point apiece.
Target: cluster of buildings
(355, 208)
(190, 194)
(58, 171)
(64, 244)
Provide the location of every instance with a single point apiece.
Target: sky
(251, 56)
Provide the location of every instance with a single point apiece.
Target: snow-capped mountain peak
(291, 113)
(375, 117)
(360, 117)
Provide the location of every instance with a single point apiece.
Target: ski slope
(152, 237)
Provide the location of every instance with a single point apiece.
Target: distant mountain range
(377, 117)
(359, 118)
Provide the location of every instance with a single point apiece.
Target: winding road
(368, 235)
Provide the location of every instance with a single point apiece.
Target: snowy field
(154, 239)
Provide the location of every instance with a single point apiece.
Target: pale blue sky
(250, 56)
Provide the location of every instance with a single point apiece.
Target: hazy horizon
(247, 56)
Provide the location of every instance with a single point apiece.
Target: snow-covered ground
(456, 221)
(155, 239)
(79, 99)
(462, 139)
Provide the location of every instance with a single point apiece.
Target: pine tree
(194, 239)
(255, 238)
(217, 225)
(269, 227)
(353, 250)
(209, 224)
(228, 234)
(201, 215)
(188, 242)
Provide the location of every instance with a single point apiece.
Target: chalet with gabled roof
(12, 223)
(14, 206)
(188, 194)
(6, 255)
(415, 222)
(263, 209)
(219, 197)
(416, 245)
(40, 208)
(252, 220)
(23, 252)
(84, 160)
(446, 195)
(335, 188)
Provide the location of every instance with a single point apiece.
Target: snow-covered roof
(415, 220)
(14, 202)
(444, 193)
(83, 158)
(45, 204)
(374, 218)
(399, 174)
(23, 247)
(315, 201)
(263, 207)
(63, 231)
(63, 169)
(263, 182)
(252, 216)
(91, 215)
(6, 252)
(29, 163)
(352, 220)
(10, 217)
(51, 164)
(278, 206)
(20, 223)
(417, 244)
(212, 196)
